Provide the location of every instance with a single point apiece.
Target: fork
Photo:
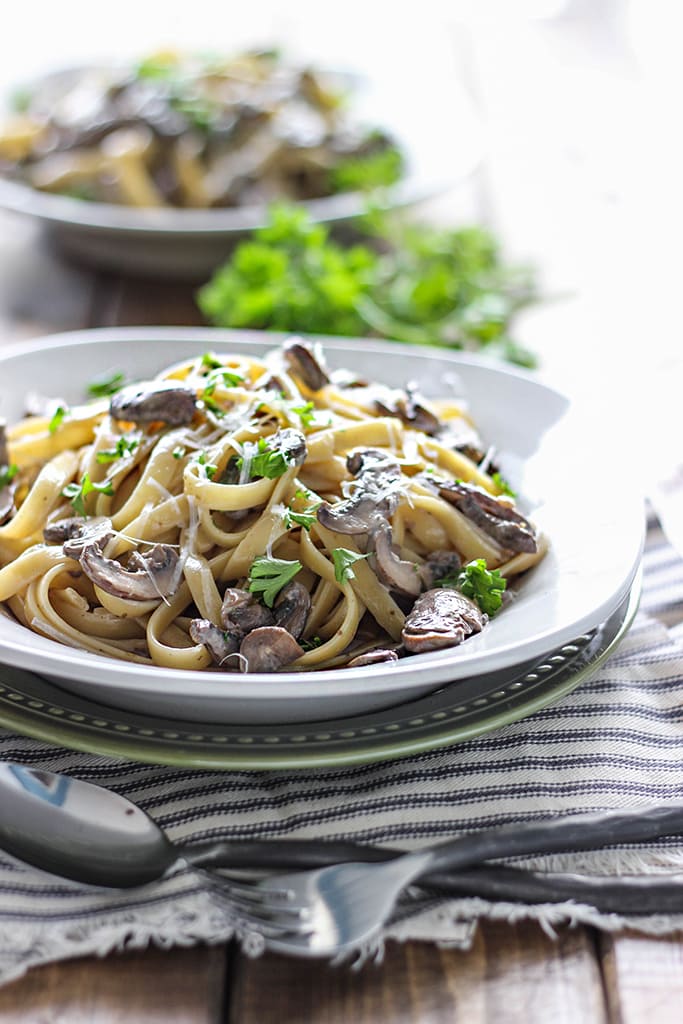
(342, 907)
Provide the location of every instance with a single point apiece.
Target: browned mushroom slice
(269, 649)
(292, 607)
(375, 498)
(292, 444)
(437, 565)
(496, 518)
(74, 533)
(219, 643)
(305, 363)
(373, 658)
(162, 400)
(157, 576)
(394, 572)
(441, 618)
(241, 613)
(411, 409)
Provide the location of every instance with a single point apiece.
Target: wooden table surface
(513, 972)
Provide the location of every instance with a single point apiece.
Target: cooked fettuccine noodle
(255, 514)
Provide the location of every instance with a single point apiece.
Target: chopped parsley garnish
(57, 417)
(124, 446)
(311, 643)
(502, 485)
(223, 375)
(209, 468)
(77, 493)
(305, 519)
(7, 474)
(102, 387)
(265, 462)
(179, 452)
(213, 406)
(306, 413)
(343, 560)
(268, 576)
(210, 362)
(485, 586)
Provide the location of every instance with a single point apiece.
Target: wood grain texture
(643, 978)
(513, 973)
(178, 986)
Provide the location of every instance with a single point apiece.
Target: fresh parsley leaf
(229, 378)
(503, 485)
(485, 586)
(102, 387)
(57, 418)
(373, 170)
(268, 576)
(213, 406)
(306, 413)
(124, 446)
(77, 493)
(209, 468)
(406, 281)
(311, 643)
(210, 362)
(265, 462)
(343, 560)
(7, 474)
(305, 519)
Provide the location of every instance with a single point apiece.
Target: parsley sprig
(406, 281)
(476, 581)
(267, 576)
(265, 461)
(57, 419)
(78, 492)
(107, 385)
(343, 561)
(124, 446)
(7, 474)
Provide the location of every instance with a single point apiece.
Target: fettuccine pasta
(249, 514)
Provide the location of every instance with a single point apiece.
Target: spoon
(92, 835)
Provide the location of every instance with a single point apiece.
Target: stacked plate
(569, 614)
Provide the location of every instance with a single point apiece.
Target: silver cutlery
(84, 832)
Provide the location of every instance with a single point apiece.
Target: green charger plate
(35, 706)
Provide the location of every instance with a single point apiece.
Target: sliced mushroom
(375, 657)
(241, 613)
(157, 576)
(305, 363)
(437, 565)
(269, 649)
(291, 443)
(163, 400)
(219, 643)
(292, 607)
(496, 518)
(395, 573)
(375, 498)
(441, 618)
(75, 532)
(410, 408)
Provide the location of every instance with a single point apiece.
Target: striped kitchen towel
(614, 742)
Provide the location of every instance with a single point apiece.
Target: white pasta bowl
(545, 448)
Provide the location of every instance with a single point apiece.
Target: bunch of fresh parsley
(401, 280)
